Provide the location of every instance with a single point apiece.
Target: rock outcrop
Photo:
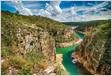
(94, 52)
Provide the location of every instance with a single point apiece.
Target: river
(73, 69)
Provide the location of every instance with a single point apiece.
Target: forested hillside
(26, 49)
(28, 43)
(83, 25)
(56, 29)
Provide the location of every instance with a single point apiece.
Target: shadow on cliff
(73, 69)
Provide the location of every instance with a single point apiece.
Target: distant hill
(94, 22)
(39, 21)
(82, 25)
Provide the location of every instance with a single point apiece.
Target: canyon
(31, 44)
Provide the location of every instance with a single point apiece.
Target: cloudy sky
(63, 11)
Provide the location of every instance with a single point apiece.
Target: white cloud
(53, 11)
(45, 13)
(56, 7)
(91, 17)
(21, 8)
(88, 13)
(32, 5)
(97, 7)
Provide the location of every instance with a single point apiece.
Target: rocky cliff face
(94, 52)
(33, 44)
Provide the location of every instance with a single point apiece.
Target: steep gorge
(29, 45)
(94, 53)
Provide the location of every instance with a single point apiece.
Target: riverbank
(62, 54)
(71, 43)
(59, 59)
(65, 60)
(67, 44)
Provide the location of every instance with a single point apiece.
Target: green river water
(72, 68)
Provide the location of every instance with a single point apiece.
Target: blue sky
(63, 11)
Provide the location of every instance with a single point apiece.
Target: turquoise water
(67, 61)
(79, 35)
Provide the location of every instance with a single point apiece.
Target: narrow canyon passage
(71, 68)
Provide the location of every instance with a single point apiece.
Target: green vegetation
(83, 25)
(17, 65)
(26, 48)
(59, 70)
(28, 43)
(56, 29)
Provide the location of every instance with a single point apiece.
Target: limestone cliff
(94, 52)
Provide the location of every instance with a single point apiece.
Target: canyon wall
(25, 49)
(94, 53)
(28, 43)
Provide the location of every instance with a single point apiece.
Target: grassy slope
(56, 29)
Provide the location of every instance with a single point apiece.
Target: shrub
(18, 63)
(6, 52)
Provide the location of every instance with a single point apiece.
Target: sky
(62, 11)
